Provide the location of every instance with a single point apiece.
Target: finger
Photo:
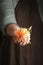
(20, 43)
(20, 40)
(24, 42)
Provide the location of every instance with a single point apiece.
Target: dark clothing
(13, 54)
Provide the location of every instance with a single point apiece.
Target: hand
(12, 30)
(24, 40)
(21, 37)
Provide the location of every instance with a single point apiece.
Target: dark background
(27, 14)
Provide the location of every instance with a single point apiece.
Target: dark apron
(13, 54)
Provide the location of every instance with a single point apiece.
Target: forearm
(7, 13)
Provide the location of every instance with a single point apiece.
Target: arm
(8, 17)
(7, 13)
